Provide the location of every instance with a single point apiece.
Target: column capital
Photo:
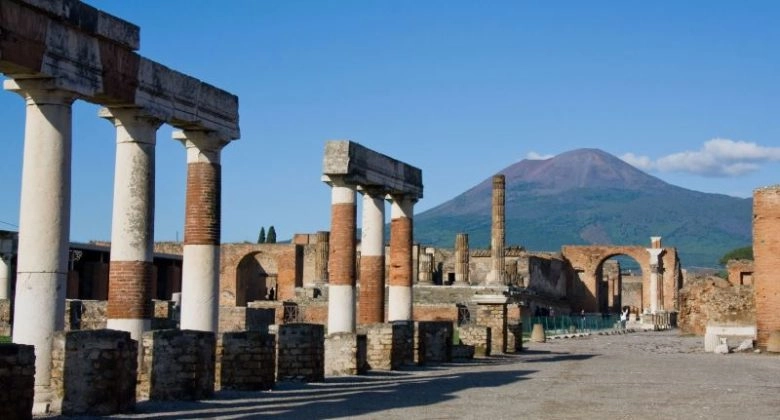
(40, 91)
(372, 191)
(202, 146)
(139, 126)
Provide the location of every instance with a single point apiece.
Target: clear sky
(688, 91)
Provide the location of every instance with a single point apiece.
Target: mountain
(588, 196)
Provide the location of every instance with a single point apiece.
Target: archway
(253, 280)
(619, 279)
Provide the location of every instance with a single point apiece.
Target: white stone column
(372, 259)
(200, 267)
(400, 299)
(655, 254)
(132, 228)
(44, 222)
(341, 262)
(5, 276)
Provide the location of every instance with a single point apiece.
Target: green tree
(744, 253)
(271, 239)
(261, 237)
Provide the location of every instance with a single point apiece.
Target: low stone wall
(5, 317)
(177, 365)
(17, 381)
(165, 315)
(246, 361)
(433, 342)
(239, 318)
(301, 354)
(341, 354)
(478, 336)
(387, 345)
(265, 312)
(85, 314)
(94, 372)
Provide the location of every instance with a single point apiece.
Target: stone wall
(166, 315)
(241, 318)
(493, 315)
(514, 328)
(713, 300)
(386, 345)
(246, 361)
(631, 293)
(435, 312)
(177, 365)
(17, 380)
(94, 372)
(85, 314)
(5, 317)
(477, 336)
(433, 342)
(301, 352)
(740, 272)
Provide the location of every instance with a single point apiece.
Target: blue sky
(688, 91)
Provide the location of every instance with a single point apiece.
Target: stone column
(425, 272)
(341, 261)
(497, 233)
(200, 268)
(766, 260)
(461, 259)
(400, 290)
(132, 227)
(655, 292)
(321, 258)
(44, 222)
(372, 259)
(5, 276)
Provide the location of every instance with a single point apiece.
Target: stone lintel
(93, 61)
(355, 164)
(490, 299)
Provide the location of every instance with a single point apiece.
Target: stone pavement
(640, 375)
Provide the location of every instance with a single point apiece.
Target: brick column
(461, 259)
(372, 259)
(766, 257)
(497, 234)
(341, 261)
(132, 227)
(44, 222)
(200, 268)
(400, 290)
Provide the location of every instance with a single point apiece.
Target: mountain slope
(588, 196)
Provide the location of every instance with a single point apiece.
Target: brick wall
(766, 257)
(494, 316)
(435, 312)
(94, 372)
(17, 376)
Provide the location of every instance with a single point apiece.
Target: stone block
(177, 365)
(341, 354)
(733, 334)
(246, 361)
(433, 342)
(478, 337)
(301, 352)
(17, 379)
(94, 372)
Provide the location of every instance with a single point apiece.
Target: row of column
(342, 255)
(44, 222)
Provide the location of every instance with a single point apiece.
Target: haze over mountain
(588, 196)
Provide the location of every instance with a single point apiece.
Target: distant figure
(271, 293)
(623, 317)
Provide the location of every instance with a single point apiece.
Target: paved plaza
(643, 375)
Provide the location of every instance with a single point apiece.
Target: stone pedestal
(301, 354)
(492, 312)
(477, 336)
(433, 342)
(177, 365)
(94, 372)
(341, 354)
(246, 361)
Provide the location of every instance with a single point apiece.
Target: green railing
(5, 339)
(566, 324)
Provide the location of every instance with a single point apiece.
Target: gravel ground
(643, 375)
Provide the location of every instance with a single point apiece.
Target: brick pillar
(341, 261)
(287, 280)
(497, 233)
(372, 259)
(321, 258)
(461, 259)
(766, 260)
(132, 227)
(200, 268)
(44, 222)
(400, 290)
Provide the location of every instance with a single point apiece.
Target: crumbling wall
(714, 300)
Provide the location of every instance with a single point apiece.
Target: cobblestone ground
(643, 375)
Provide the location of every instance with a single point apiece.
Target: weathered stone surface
(5, 317)
(177, 365)
(766, 257)
(359, 165)
(85, 314)
(301, 354)
(341, 354)
(246, 361)
(17, 378)
(386, 345)
(713, 300)
(478, 337)
(433, 342)
(94, 372)
(492, 312)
